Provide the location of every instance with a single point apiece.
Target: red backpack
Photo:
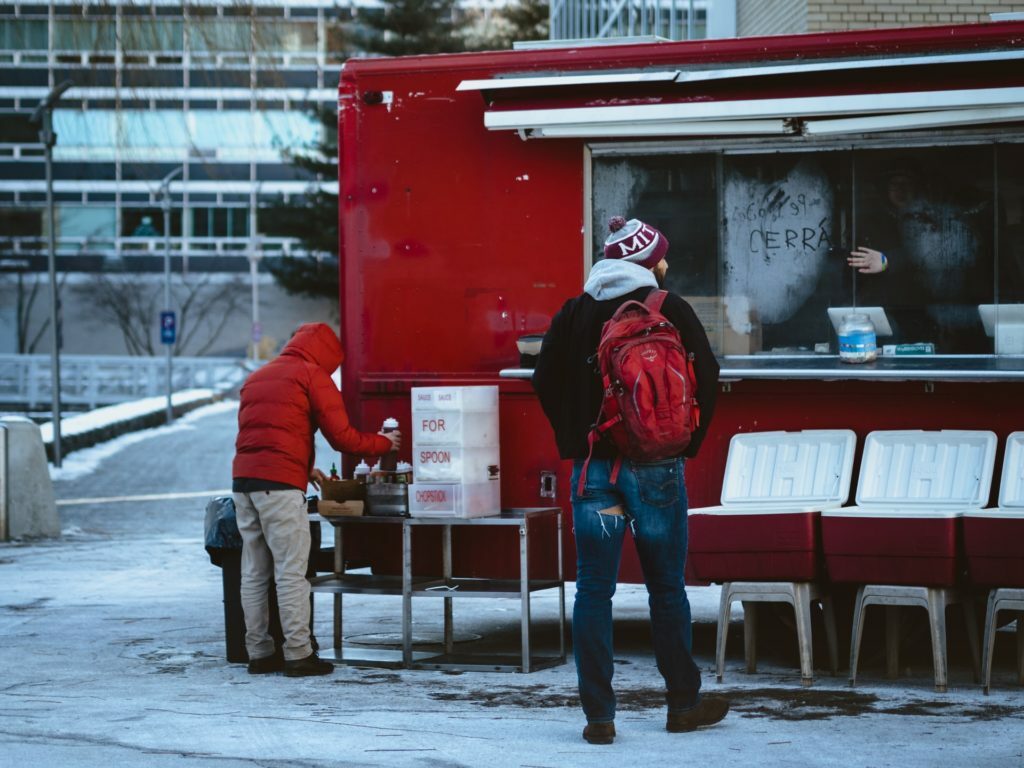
(649, 410)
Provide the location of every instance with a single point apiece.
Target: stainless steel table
(447, 587)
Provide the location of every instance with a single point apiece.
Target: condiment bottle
(403, 473)
(334, 472)
(389, 461)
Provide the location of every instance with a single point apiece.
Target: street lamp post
(165, 201)
(43, 117)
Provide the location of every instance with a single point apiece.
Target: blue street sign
(167, 328)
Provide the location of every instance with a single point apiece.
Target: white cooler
(914, 489)
(768, 526)
(994, 538)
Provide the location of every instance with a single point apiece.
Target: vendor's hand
(395, 438)
(317, 478)
(866, 260)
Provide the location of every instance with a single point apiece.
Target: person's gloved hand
(867, 260)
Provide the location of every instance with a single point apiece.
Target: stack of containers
(768, 527)
(914, 489)
(992, 537)
(455, 452)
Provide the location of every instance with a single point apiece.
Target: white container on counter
(455, 499)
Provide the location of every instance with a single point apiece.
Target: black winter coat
(568, 383)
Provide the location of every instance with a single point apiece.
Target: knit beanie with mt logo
(634, 241)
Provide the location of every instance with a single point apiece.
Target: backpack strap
(655, 299)
(592, 438)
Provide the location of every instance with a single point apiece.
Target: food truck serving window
(759, 240)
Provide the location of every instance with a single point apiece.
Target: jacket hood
(611, 278)
(316, 343)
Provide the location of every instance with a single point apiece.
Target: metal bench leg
(892, 641)
(989, 641)
(858, 630)
(937, 622)
(972, 637)
(750, 635)
(828, 610)
(1020, 648)
(724, 609)
(802, 610)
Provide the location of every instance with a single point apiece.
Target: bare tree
(29, 328)
(27, 291)
(133, 302)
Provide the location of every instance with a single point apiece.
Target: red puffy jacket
(286, 401)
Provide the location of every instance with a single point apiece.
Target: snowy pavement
(112, 651)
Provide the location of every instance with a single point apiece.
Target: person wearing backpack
(627, 378)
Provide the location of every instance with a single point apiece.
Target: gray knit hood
(611, 278)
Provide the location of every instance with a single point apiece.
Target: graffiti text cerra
(765, 240)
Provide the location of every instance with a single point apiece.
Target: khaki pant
(275, 545)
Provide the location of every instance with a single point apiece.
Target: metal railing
(596, 19)
(126, 247)
(93, 380)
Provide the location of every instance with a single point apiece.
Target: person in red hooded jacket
(282, 405)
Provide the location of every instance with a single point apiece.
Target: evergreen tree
(527, 20)
(313, 219)
(405, 27)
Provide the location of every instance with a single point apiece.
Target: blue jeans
(652, 499)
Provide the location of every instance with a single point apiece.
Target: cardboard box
(725, 337)
(339, 508)
(342, 490)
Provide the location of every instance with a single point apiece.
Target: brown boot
(599, 733)
(709, 710)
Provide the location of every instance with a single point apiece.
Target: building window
(23, 34)
(87, 222)
(201, 129)
(220, 222)
(79, 35)
(15, 222)
(219, 36)
(148, 222)
(759, 241)
(151, 34)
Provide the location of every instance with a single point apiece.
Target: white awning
(768, 116)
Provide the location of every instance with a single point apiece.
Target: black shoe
(599, 733)
(268, 664)
(709, 710)
(308, 667)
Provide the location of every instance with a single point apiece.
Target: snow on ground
(87, 460)
(112, 654)
(112, 414)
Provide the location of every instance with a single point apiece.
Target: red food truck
(475, 191)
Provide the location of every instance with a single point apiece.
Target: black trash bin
(224, 546)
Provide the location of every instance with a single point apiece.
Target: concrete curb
(154, 418)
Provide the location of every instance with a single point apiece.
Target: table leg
(561, 589)
(339, 570)
(524, 593)
(406, 594)
(446, 547)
